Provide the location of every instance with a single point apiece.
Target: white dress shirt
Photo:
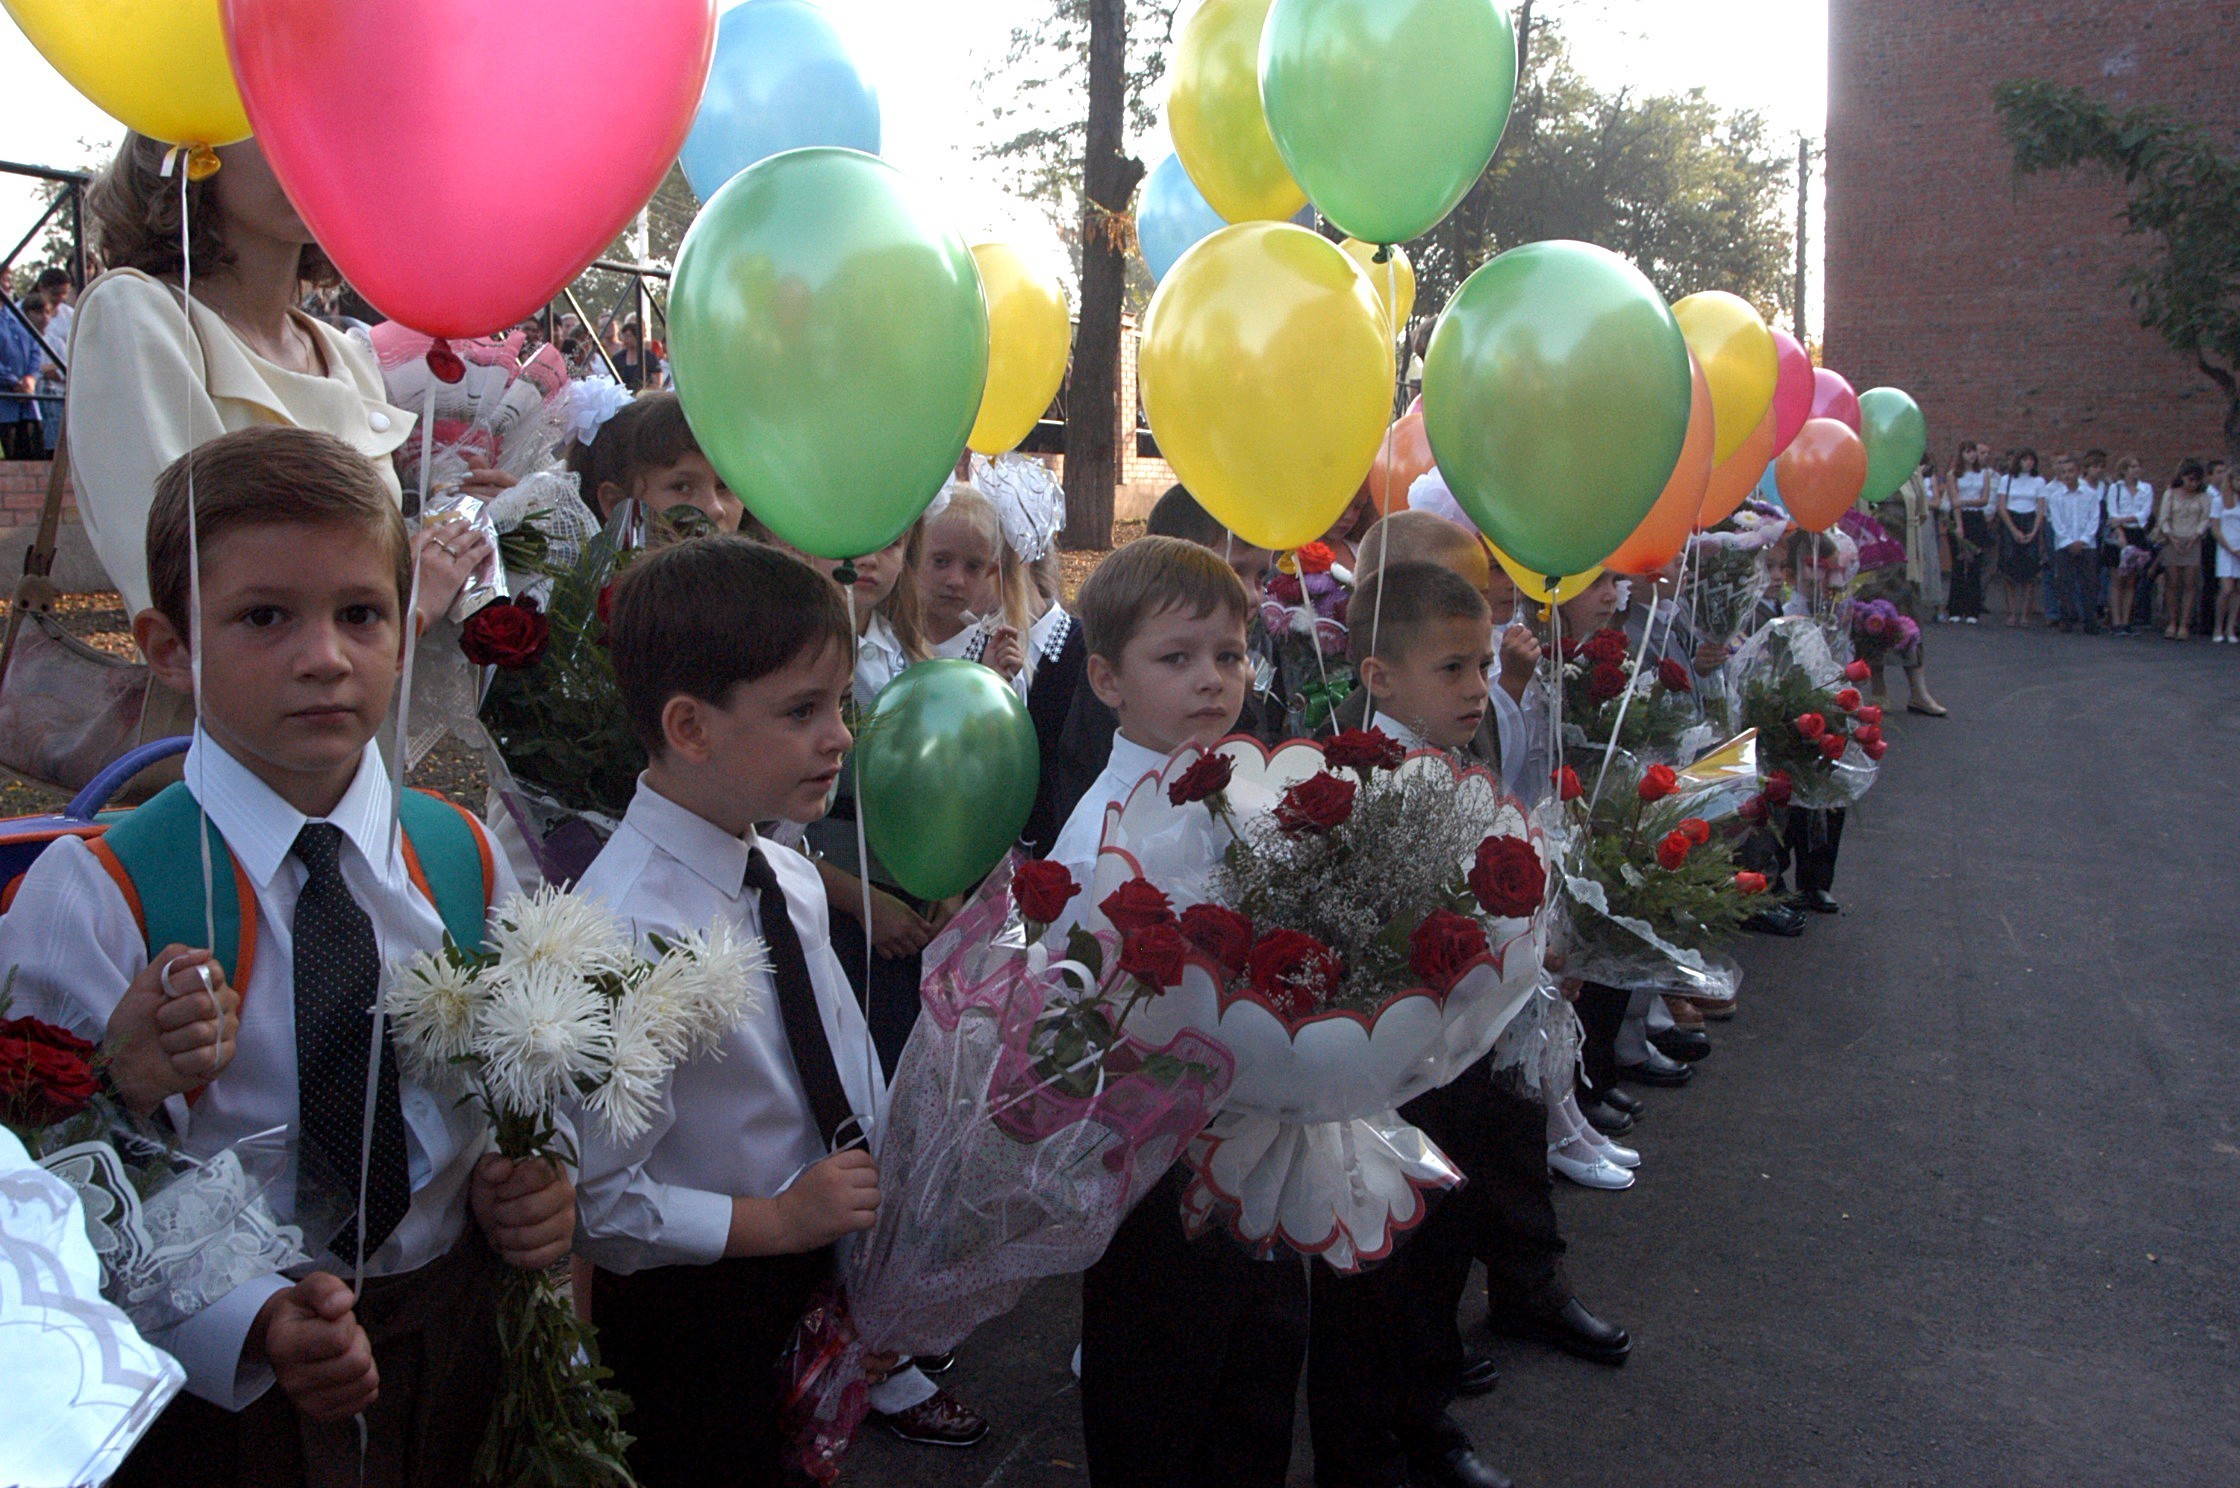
(735, 1123)
(1393, 729)
(2022, 494)
(1522, 726)
(2130, 504)
(1078, 841)
(76, 947)
(879, 660)
(1971, 491)
(2073, 514)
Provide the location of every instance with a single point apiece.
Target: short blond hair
(1150, 575)
(1421, 537)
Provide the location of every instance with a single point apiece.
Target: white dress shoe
(1611, 1152)
(1589, 1171)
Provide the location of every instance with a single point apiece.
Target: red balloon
(1792, 395)
(1821, 474)
(1832, 398)
(1733, 480)
(1402, 459)
(1664, 532)
(449, 198)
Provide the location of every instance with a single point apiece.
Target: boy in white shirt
(305, 572)
(714, 1229)
(1190, 1349)
(2073, 512)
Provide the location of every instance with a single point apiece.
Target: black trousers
(1602, 1013)
(1813, 838)
(698, 1349)
(1965, 596)
(1190, 1356)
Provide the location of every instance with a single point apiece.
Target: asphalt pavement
(1956, 1197)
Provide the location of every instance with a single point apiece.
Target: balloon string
(846, 574)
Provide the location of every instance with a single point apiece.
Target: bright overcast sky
(926, 55)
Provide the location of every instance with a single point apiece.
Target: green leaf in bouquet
(1085, 948)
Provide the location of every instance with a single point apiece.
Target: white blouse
(2022, 493)
(1973, 488)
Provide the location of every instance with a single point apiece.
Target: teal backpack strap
(450, 861)
(152, 855)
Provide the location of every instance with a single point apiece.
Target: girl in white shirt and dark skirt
(2022, 537)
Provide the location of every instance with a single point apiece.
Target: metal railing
(70, 198)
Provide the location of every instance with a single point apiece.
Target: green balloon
(1556, 396)
(1896, 436)
(1387, 111)
(946, 768)
(830, 344)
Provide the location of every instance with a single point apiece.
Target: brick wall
(23, 490)
(2000, 303)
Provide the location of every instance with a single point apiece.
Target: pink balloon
(453, 197)
(1415, 405)
(1792, 395)
(1832, 398)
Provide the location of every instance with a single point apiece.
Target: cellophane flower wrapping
(1309, 1153)
(1022, 1125)
(1610, 694)
(558, 1018)
(1785, 673)
(1727, 582)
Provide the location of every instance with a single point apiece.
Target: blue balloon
(782, 79)
(1172, 217)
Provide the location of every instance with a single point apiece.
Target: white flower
(431, 1005)
(639, 1063)
(543, 1028)
(554, 928)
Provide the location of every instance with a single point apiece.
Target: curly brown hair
(135, 218)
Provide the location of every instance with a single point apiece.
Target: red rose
(1208, 775)
(1137, 905)
(1154, 955)
(1316, 804)
(1294, 971)
(606, 604)
(1364, 750)
(1754, 809)
(1605, 680)
(1316, 558)
(1867, 734)
(1567, 784)
(1832, 747)
(506, 635)
(1284, 588)
(46, 1073)
(1858, 671)
(1657, 782)
(1869, 714)
(1811, 725)
(1674, 850)
(1606, 645)
(1876, 750)
(1041, 889)
(1695, 829)
(1223, 934)
(1508, 879)
(1674, 676)
(1443, 947)
(1750, 883)
(1779, 787)
(1848, 699)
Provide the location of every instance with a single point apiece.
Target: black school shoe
(1778, 919)
(1657, 1070)
(1625, 1100)
(1684, 1044)
(940, 1420)
(1566, 1324)
(1604, 1117)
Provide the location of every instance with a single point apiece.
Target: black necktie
(338, 976)
(797, 1005)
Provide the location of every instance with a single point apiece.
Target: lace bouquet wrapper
(1355, 925)
(1026, 1118)
(1819, 743)
(1649, 886)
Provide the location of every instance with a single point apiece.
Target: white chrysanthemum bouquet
(559, 1007)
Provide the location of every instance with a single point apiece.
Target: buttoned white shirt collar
(700, 845)
(879, 660)
(1406, 737)
(1131, 761)
(261, 828)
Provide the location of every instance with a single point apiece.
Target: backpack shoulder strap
(451, 862)
(154, 859)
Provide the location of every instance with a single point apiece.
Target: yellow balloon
(1029, 338)
(1535, 586)
(1394, 278)
(158, 67)
(1741, 364)
(1213, 110)
(1266, 372)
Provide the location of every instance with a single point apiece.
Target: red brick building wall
(2000, 303)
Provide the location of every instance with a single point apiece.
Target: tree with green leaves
(2181, 193)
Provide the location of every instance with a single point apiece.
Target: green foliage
(2181, 192)
(1694, 906)
(1771, 704)
(554, 1424)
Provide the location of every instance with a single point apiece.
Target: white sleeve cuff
(210, 1346)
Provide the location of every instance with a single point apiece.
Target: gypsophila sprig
(560, 1010)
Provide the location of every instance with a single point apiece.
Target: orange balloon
(1821, 473)
(1733, 481)
(1404, 457)
(1664, 532)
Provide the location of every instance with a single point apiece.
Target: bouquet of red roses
(1369, 921)
(1598, 674)
(1813, 727)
